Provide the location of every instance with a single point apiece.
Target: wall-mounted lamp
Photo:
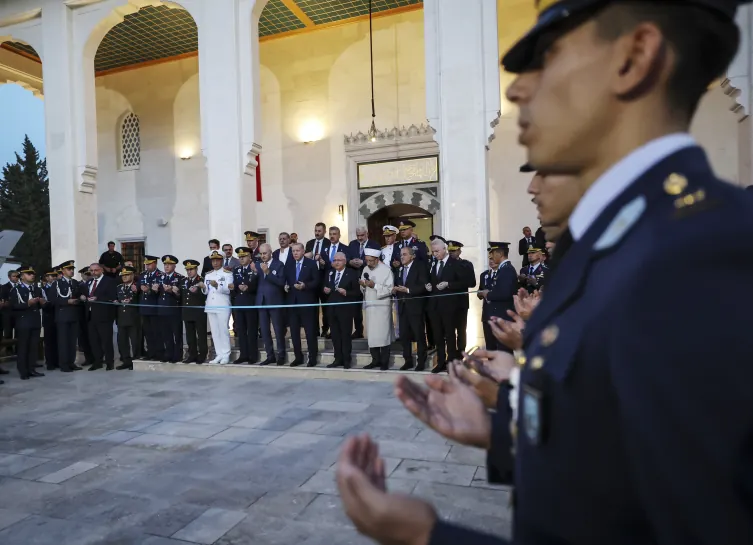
(311, 131)
(341, 211)
(186, 154)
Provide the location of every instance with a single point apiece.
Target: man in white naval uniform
(216, 288)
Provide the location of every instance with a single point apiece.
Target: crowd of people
(401, 290)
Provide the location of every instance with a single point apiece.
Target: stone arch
(424, 198)
(28, 74)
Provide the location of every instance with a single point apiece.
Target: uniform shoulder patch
(621, 224)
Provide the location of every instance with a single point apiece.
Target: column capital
(252, 159)
(739, 79)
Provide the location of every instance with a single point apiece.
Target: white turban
(372, 252)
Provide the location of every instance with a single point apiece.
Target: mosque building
(170, 123)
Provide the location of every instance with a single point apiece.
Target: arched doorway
(390, 215)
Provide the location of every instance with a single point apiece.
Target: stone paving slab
(167, 458)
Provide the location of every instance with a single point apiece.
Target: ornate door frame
(390, 145)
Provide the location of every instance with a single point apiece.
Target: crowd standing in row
(406, 290)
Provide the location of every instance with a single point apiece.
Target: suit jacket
(206, 266)
(354, 251)
(99, 310)
(348, 282)
(248, 278)
(63, 291)
(309, 275)
(189, 299)
(501, 294)
(128, 310)
(524, 244)
(469, 277)
(311, 244)
(416, 282)
(457, 282)
(233, 263)
(48, 309)
(26, 317)
(271, 290)
(591, 343)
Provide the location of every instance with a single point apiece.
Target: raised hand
(486, 388)
(508, 333)
(449, 407)
(393, 519)
(495, 364)
(525, 303)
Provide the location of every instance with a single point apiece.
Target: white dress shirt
(284, 255)
(620, 176)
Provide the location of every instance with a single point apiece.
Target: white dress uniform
(218, 317)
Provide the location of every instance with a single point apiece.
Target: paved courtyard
(160, 458)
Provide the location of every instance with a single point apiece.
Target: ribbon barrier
(235, 307)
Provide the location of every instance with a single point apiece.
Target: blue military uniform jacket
(64, 290)
(26, 317)
(502, 286)
(418, 245)
(168, 300)
(635, 415)
(150, 299)
(244, 276)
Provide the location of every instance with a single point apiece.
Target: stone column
(462, 104)
(72, 168)
(228, 113)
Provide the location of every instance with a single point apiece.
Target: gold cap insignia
(675, 184)
(537, 363)
(549, 335)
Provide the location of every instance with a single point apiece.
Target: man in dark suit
(455, 248)
(316, 249)
(271, 292)
(302, 285)
(410, 285)
(67, 309)
(243, 292)
(498, 295)
(358, 262)
(149, 284)
(446, 276)
(342, 287)
(8, 324)
(214, 246)
(26, 299)
(51, 358)
(99, 294)
(194, 317)
(528, 241)
(84, 343)
(129, 320)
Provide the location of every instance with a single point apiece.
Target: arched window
(130, 142)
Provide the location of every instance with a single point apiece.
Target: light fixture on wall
(372, 130)
(311, 131)
(186, 154)
(341, 212)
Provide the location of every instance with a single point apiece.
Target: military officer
(408, 240)
(533, 276)
(67, 316)
(129, 320)
(169, 311)
(83, 325)
(455, 248)
(498, 295)
(617, 379)
(51, 359)
(194, 317)
(26, 299)
(243, 293)
(149, 283)
(252, 242)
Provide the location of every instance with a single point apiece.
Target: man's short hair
(320, 224)
(283, 233)
(704, 44)
(111, 242)
(334, 228)
(213, 241)
(410, 250)
(297, 244)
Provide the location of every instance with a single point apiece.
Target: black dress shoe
(124, 367)
(311, 363)
(296, 362)
(76, 368)
(36, 374)
(95, 367)
(420, 368)
(334, 364)
(347, 365)
(439, 369)
(372, 365)
(407, 367)
(357, 336)
(24, 378)
(189, 360)
(145, 358)
(111, 367)
(268, 361)
(163, 360)
(240, 361)
(199, 361)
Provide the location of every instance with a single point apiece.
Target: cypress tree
(25, 206)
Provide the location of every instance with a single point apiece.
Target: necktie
(316, 249)
(94, 287)
(332, 252)
(337, 280)
(297, 270)
(405, 274)
(362, 250)
(530, 270)
(439, 270)
(227, 261)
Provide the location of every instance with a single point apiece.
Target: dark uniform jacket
(48, 310)
(504, 286)
(128, 310)
(27, 317)
(168, 300)
(419, 248)
(150, 299)
(635, 414)
(457, 283)
(418, 277)
(248, 277)
(64, 290)
(192, 299)
(469, 277)
(540, 274)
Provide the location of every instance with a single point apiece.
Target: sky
(20, 113)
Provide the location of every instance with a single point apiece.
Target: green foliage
(25, 206)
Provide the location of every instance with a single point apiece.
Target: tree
(25, 206)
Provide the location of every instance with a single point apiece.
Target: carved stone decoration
(252, 161)
(737, 90)
(20, 18)
(416, 197)
(739, 78)
(391, 135)
(88, 179)
(494, 122)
